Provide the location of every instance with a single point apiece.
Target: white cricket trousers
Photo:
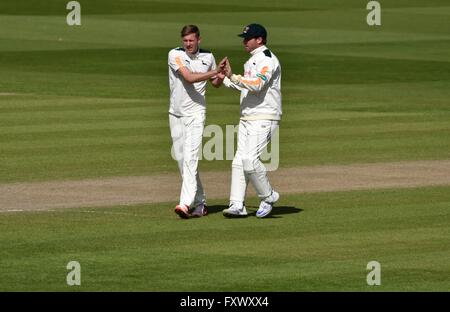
(187, 133)
(253, 137)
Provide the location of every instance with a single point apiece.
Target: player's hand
(221, 76)
(222, 65)
(227, 70)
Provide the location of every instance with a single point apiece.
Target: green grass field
(316, 242)
(91, 101)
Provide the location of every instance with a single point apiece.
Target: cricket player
(189, 69)
(260, 107)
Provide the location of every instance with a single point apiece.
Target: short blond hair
(190, 29)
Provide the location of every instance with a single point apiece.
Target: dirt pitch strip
(165, 188)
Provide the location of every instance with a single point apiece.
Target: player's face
(190, 43)
(251, 44)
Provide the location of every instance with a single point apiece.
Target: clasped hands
(224, 69)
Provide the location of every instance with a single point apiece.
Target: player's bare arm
(217, 80)
(197, 77)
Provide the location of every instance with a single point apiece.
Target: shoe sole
(194, 215)
(204, 213)
(181, 213)
(230, 215)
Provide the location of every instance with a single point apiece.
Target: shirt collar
(257, 50)
(195, 55)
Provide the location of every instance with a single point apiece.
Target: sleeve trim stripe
(251, 82)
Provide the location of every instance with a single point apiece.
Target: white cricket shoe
(199, 211)
(235, 211)
(266, 205)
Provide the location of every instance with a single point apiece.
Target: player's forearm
(216, 82)
(197, 77)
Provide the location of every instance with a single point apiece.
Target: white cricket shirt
(187, 99)
(260, 86)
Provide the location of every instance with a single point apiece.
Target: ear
(259, 40)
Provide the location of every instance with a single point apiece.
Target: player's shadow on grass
(276, 211)
(216, 208)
